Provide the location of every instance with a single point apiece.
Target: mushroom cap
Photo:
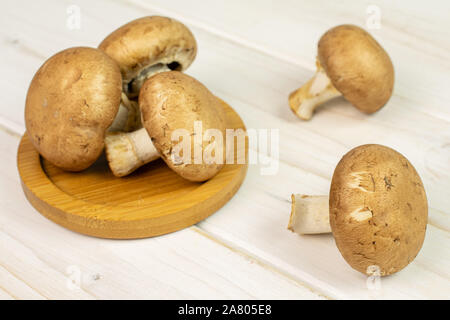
(378, 209)
(172, 100)
(357, 66)
(147, 41)
(72, 100)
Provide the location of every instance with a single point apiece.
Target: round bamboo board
(150, 202)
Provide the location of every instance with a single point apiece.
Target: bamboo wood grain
(150, 202)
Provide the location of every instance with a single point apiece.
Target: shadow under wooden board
(151, 201)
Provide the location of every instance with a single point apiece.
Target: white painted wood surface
(252, 54)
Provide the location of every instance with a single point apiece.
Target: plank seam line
(10, 127)
(259, 262)
(44, 262)
(192, 228)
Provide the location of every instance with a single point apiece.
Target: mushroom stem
(309, 214)
(315, 92)
(128, 117)
(127, 151)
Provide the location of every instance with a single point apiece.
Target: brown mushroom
(377, 210)
(149, 45)
(350, 63)
(173, 103)
(72, 100)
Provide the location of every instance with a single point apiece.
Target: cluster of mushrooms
(125, 97)
(377, 207)
(128, 95)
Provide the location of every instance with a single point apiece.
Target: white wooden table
(252, 54)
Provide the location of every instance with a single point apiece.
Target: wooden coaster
(150, 202)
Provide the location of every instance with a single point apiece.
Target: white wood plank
(5, 296)
(38, 259)
(22, 263)
(16, 288)
(255, 79)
